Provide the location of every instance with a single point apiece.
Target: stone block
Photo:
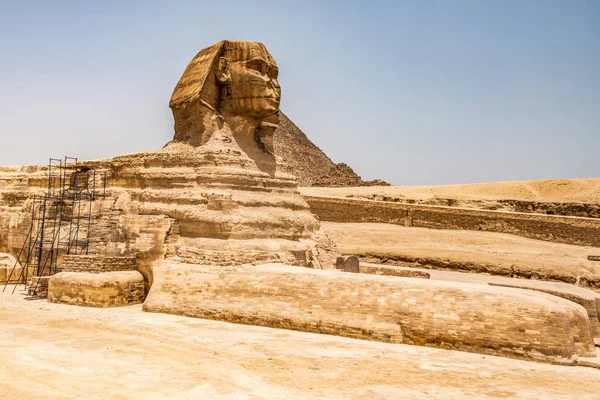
(38, 286)
(98, 263)
(348, 264)
(109, 289)
(10, 275)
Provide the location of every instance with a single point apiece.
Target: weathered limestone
(175, 220)
(218, 179)
(213, 195)
(108, 289)
(97, 281)
(38, 286)
(391, 270)
(352, 264)
(98, 264)
(348, 263)
(553, 228)
(478, 318)
(588, 299)
(7, 273)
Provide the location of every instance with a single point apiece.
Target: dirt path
(52, 351)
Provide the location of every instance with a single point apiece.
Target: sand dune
(585, 190)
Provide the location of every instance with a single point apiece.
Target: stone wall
(456, 315)
(98, 263)
(569, 230)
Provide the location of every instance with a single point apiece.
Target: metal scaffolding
(60, 220)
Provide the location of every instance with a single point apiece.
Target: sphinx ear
(223, 75)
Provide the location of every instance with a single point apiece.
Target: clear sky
(412, 92)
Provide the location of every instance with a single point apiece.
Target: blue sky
(412, 92)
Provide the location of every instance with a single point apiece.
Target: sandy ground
(556, 190)
(52, 351)
(503, 252)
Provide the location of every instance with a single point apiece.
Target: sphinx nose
(275, 83)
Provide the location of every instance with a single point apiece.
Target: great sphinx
(214, 194)
(209, 226)
(218, 179)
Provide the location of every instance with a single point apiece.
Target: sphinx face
(232, 78)
(254, 87)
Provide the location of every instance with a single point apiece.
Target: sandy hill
(574, 197)
(586, 190)
(310, 164)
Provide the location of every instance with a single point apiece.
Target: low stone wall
(109, 289)
(98, 263)
(569, 230)
(456, 315)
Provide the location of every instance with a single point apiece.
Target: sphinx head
(248, 77)
(232, 79)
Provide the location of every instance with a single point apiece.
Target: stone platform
(480, 318)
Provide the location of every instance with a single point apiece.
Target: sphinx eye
(259, 66)
(274, 72)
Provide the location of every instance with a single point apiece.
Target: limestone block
(14, 275)
(7, 273)
(348, 264)
(456, 315)
(108, 289)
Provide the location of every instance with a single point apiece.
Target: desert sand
(585, 190)
(53, 351)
